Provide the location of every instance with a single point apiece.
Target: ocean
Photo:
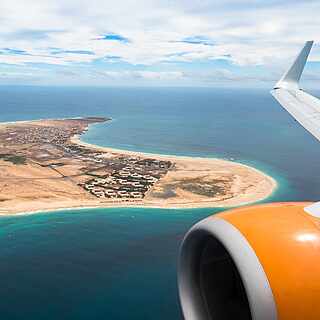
(121, 263)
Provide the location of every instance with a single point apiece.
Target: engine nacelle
(260, 262)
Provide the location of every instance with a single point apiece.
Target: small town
(132, 181)
(103, 174)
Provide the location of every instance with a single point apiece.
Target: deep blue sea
(121, 263)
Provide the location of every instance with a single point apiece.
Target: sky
(155, 42)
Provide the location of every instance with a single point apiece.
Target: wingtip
(309, 44)
(290, 80)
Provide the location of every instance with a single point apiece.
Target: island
(45, 166)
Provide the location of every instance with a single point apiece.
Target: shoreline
(125, 206)
(111, 206)
(77, 140)
(238, 200)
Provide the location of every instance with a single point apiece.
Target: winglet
(290, 80)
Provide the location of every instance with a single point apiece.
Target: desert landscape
(45, 166)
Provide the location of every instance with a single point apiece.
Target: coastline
(77, 207)
(105, 206)
(267, 190)
(77, 140)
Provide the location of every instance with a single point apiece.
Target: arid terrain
(44, 166)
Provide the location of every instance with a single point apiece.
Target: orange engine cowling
(260, 262)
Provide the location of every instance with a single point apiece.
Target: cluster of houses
(39, 134)
(49, 135)
(83, 153)
(121, 185)
(128, 183)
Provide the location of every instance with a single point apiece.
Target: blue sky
(156, 43)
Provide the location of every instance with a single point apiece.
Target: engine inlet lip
(255, 281)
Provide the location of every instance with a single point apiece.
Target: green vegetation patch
(204, 189)
(15, 159)
(209, 189)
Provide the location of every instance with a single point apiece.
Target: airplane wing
(304, 107)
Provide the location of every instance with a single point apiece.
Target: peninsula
(45, 166)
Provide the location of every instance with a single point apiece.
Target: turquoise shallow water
(121, 263)
(92, 264)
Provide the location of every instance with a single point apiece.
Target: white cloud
(248, 33)
(147, 75)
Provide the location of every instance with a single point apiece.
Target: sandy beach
(57, 180)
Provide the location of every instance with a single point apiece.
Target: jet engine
(260, 262)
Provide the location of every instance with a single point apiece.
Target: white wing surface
(304, 107)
